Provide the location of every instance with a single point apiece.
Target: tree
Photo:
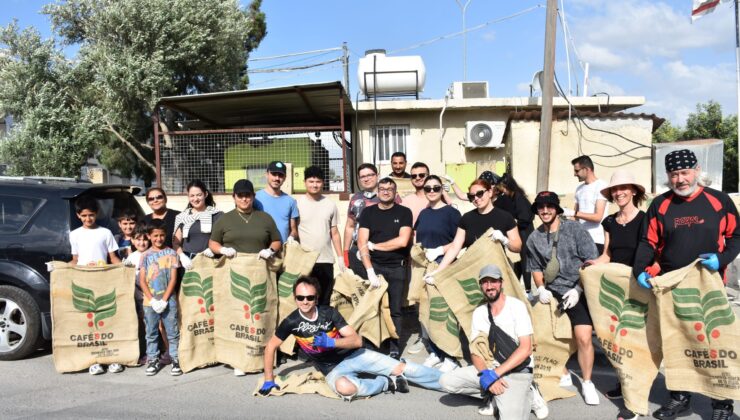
(130, 54)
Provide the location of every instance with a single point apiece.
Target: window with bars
(390, 139)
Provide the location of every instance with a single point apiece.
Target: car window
(111, 204)
(16, 211)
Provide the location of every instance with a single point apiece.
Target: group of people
(381, 226)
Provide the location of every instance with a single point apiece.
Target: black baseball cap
(243, 186)
(547, 197)
(276, 166)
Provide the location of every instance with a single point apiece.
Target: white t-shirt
(513, 319)
(586, 196)
(92, 245)
(314, 229)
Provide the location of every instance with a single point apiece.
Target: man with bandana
(687, 222)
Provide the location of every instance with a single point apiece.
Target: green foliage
(630, 313)
(255, 296)
(711, 310)
(666, 133)
(194, 286)
(103, 307)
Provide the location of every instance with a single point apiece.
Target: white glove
(449, 179)
(434, 253)
(370, 246)
(186, 262)
(158, 305)
(499, 236)
(208, 253)
(266, 253)
(129, 262)
(544, 294)
(340, 265)
(429, 279)
(373, 278)
(568, 212)
(570, 298)
(228, 252)
(291, 240)
(50, 266)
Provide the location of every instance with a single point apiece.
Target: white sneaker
(115, 368)
(239, 372)
(96, 369)
(448, 365)
(417, 347)
(539, 405)
(487, 410)
(432, 360)
(590, 396)
(566, 380)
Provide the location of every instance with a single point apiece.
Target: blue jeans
(169, 319)
(372, 362)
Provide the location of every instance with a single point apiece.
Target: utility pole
(345, 64)
(737, 75)
(543, 160)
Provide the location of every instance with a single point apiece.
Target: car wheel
(20, 323)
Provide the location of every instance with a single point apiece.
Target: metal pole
(345, 64)
(464, 8)
(737, 75)
(155, 121)
(543, 161)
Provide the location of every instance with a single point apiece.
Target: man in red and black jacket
(690, 221)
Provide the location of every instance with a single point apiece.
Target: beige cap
(621, 177)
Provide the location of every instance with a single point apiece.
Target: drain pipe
(441, 114)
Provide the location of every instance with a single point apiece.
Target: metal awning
(315, 104)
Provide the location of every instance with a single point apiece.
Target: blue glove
(267, 387)
(710, 261)
(487, 378)
(642, 280)
(323, 340)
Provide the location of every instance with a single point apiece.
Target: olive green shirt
(232, 231)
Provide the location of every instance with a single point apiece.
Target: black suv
(36, 216)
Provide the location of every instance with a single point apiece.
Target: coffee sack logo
(439, 311)
(97, 308)
(472, 291)
(708, 312)
(626, 313)
(202, 289)
(285, 284)
(254, 297)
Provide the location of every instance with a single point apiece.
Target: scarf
(187, 218)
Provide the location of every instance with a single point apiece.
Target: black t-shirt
(623, 239)
(197, 241)
(169, 224)
(475, 224)
(327, 320)
(384, 225)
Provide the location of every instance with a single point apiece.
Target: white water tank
(394, 75)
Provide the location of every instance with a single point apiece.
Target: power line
(287, 69)
(273, 57)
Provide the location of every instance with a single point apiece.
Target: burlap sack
(625, 318)
(440, 322)
(93, 316)
(244, 292)
(364, 308)
(298, 383)
(419, 265)
(479, 346)
(700, 333)
(196, 310)
(297, 261)
(550, 353)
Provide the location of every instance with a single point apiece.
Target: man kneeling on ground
(334, 348)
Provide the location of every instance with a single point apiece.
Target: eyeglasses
(155, 198)
(420, 176)
(301, 298)
(278, 174)
(436, 188)
(366, 176)
(387, 190)
(479, 194)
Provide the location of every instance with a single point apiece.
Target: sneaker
(721, 410)
(153, 367)
(614, 394)
(539, 405)
(590, 396)
(239, 372)
(673, 408)
(432, 360)
(448, 365)
(175, 369)
(566, 380)
(96, 369)
(395, 355)
(487, 409)
(627, 415)
(115, 368)
(417, 347)
(400, 384)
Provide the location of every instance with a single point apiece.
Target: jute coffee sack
(364, 308)
(625, 318)
(700, 333)
(298, 383)
(93, 316)
(419, 264)
(246, 299)
(440, 322)
(197, 309)
(297, 261)
(551, 353)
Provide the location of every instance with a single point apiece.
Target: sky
(644, 48)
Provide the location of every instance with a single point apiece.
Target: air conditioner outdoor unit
(484, 134)
(469, 90)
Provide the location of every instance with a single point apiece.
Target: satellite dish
(481, 134)
(538, 80)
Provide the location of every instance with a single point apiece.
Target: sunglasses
(436, 188)
(301, 298)
(155, 197)
(420, 176)
(479, 194)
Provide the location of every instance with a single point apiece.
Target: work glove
(544, 295)
(370, 246)
(710, 261)
(158, 305)
(570, 298)
(266, 253)
(208, 253)
(373, 278)
(50, 266)
(340, 267)
(186, 262)
(434, 253)
(129, 262)
(643, 278)
(228, 252)
(346, 258)
(323, 340)
(499, 236)
(487, 378)
(429, 278)
(449, 179)
(267, 387)
(568, 212)
(291, 240)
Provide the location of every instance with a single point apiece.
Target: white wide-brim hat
(621, 177)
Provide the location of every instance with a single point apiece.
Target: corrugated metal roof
(563, 115)
(314, 104)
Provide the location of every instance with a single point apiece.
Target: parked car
(36, 216)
